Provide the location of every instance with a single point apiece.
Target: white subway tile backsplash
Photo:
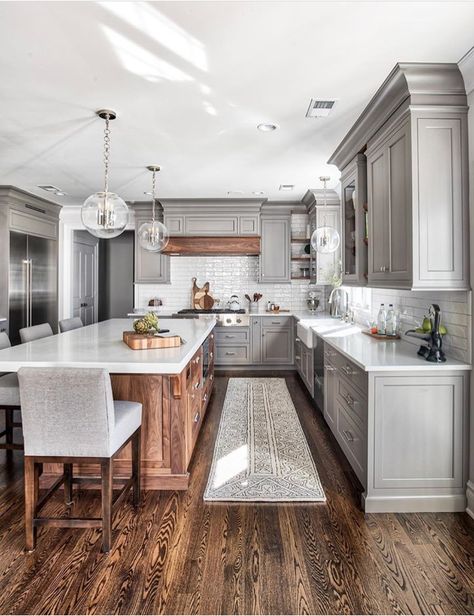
(226, 276)
(456, 311)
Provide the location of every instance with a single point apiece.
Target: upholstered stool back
(35, 332)
(67, 411)
(66, 325)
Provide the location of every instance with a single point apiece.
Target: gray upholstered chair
(35, 332)
(9, 401)
(66, 325)
(70, 417)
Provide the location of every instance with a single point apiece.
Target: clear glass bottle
(390, 323)
(381, 320)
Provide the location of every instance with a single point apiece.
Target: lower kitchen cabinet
(304, 364)
(405, 435)
(277, 340)
(232, 345)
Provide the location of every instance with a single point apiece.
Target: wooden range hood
(180, 245)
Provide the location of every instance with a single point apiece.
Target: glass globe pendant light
(104, 214)
(325, 239)
(153, 235)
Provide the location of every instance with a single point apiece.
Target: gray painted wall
(116, 276)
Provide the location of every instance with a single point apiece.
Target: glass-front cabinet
(354, 222)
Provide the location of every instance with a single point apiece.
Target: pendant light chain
(106, 153)
(153, 198)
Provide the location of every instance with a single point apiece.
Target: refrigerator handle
(30, 297)
(26, 263)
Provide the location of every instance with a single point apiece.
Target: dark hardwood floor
(180, 555)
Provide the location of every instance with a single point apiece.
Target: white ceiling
(191, 80)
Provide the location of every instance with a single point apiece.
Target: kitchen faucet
(338, 303)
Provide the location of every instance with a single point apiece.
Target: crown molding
(466, 66)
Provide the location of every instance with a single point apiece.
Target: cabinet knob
(348, 436)
(384, 268)
(197, 359)
(197, 417)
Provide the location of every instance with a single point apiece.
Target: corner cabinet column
(275, 257)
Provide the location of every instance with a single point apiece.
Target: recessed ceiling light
(286, 187)
(60, 193)
(258, 192)
(235, 192)
(267, 128)
(147, 192)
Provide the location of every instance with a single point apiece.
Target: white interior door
(85, 281)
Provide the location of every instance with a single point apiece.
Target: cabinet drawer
(268, 322)
(232, 354)
(231, 336)
(353, 401)
(350, 371)
(352, 441)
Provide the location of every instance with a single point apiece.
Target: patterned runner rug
(261, 453)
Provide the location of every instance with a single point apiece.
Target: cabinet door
(275, 249)
(389, 202)
(378, 215)
(298, 355)
(277, 345)
(353, 224)
(150, 267)
(330, 396)
(419, 433)
(256, 339)
(328, 265)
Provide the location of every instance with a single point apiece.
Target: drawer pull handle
(297, 340)
(348, 370)
(212, 336)
(348, 436)
(197, 385)
(197, 360)
(229, 336)
(229, 353)
(349, 399)
(276, 322)
(330, 368)
(204, 398)
(297, 357)
(197, 417)
(211, 355)
(211, 377)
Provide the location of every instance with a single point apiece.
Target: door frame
(70, 221)
(87, 239)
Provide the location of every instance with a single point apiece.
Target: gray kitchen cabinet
(277, 340)
(212, 217)
(275, 264)
(256, 339)
(298, 356)
(353, 224)
(414, 135)
(389, 186)
(150, 267)
(323, 267)
(304, 364)
(404, 434)
(232, 345)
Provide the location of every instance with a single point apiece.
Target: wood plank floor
(179, 555)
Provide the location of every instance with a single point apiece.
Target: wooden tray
(140, 342)
(277, 311)
(380, 336)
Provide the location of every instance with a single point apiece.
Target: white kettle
(233, 303)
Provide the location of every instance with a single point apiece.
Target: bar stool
(70, 417)
(35, 332)
(9, 402)
(67, 325)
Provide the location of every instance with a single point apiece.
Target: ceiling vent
(286, 187)
(51, 188)
(320, 109)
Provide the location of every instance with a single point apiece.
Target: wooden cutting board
(206, 302)
(140, 342)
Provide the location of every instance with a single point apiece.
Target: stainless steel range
(224, 318)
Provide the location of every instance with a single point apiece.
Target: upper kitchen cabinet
(414, 134)
(212, 217)
(275, 256)
(354, 222)
(150, 267)
(324, 210)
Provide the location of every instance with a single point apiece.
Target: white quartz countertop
(101, 346)
(376, 355)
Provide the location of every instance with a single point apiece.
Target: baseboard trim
(445, 503)
(470, 498)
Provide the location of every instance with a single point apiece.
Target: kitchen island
(174, 386)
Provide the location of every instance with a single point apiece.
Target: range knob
(239, 320)
(228, 320)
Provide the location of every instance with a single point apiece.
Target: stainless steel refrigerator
(33, 286)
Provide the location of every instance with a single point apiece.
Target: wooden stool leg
(30, 503)
(68, 484)
(107, 493)
(136, 447)
(9, 426)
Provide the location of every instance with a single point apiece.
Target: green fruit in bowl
(426, 324)
(442, 330)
